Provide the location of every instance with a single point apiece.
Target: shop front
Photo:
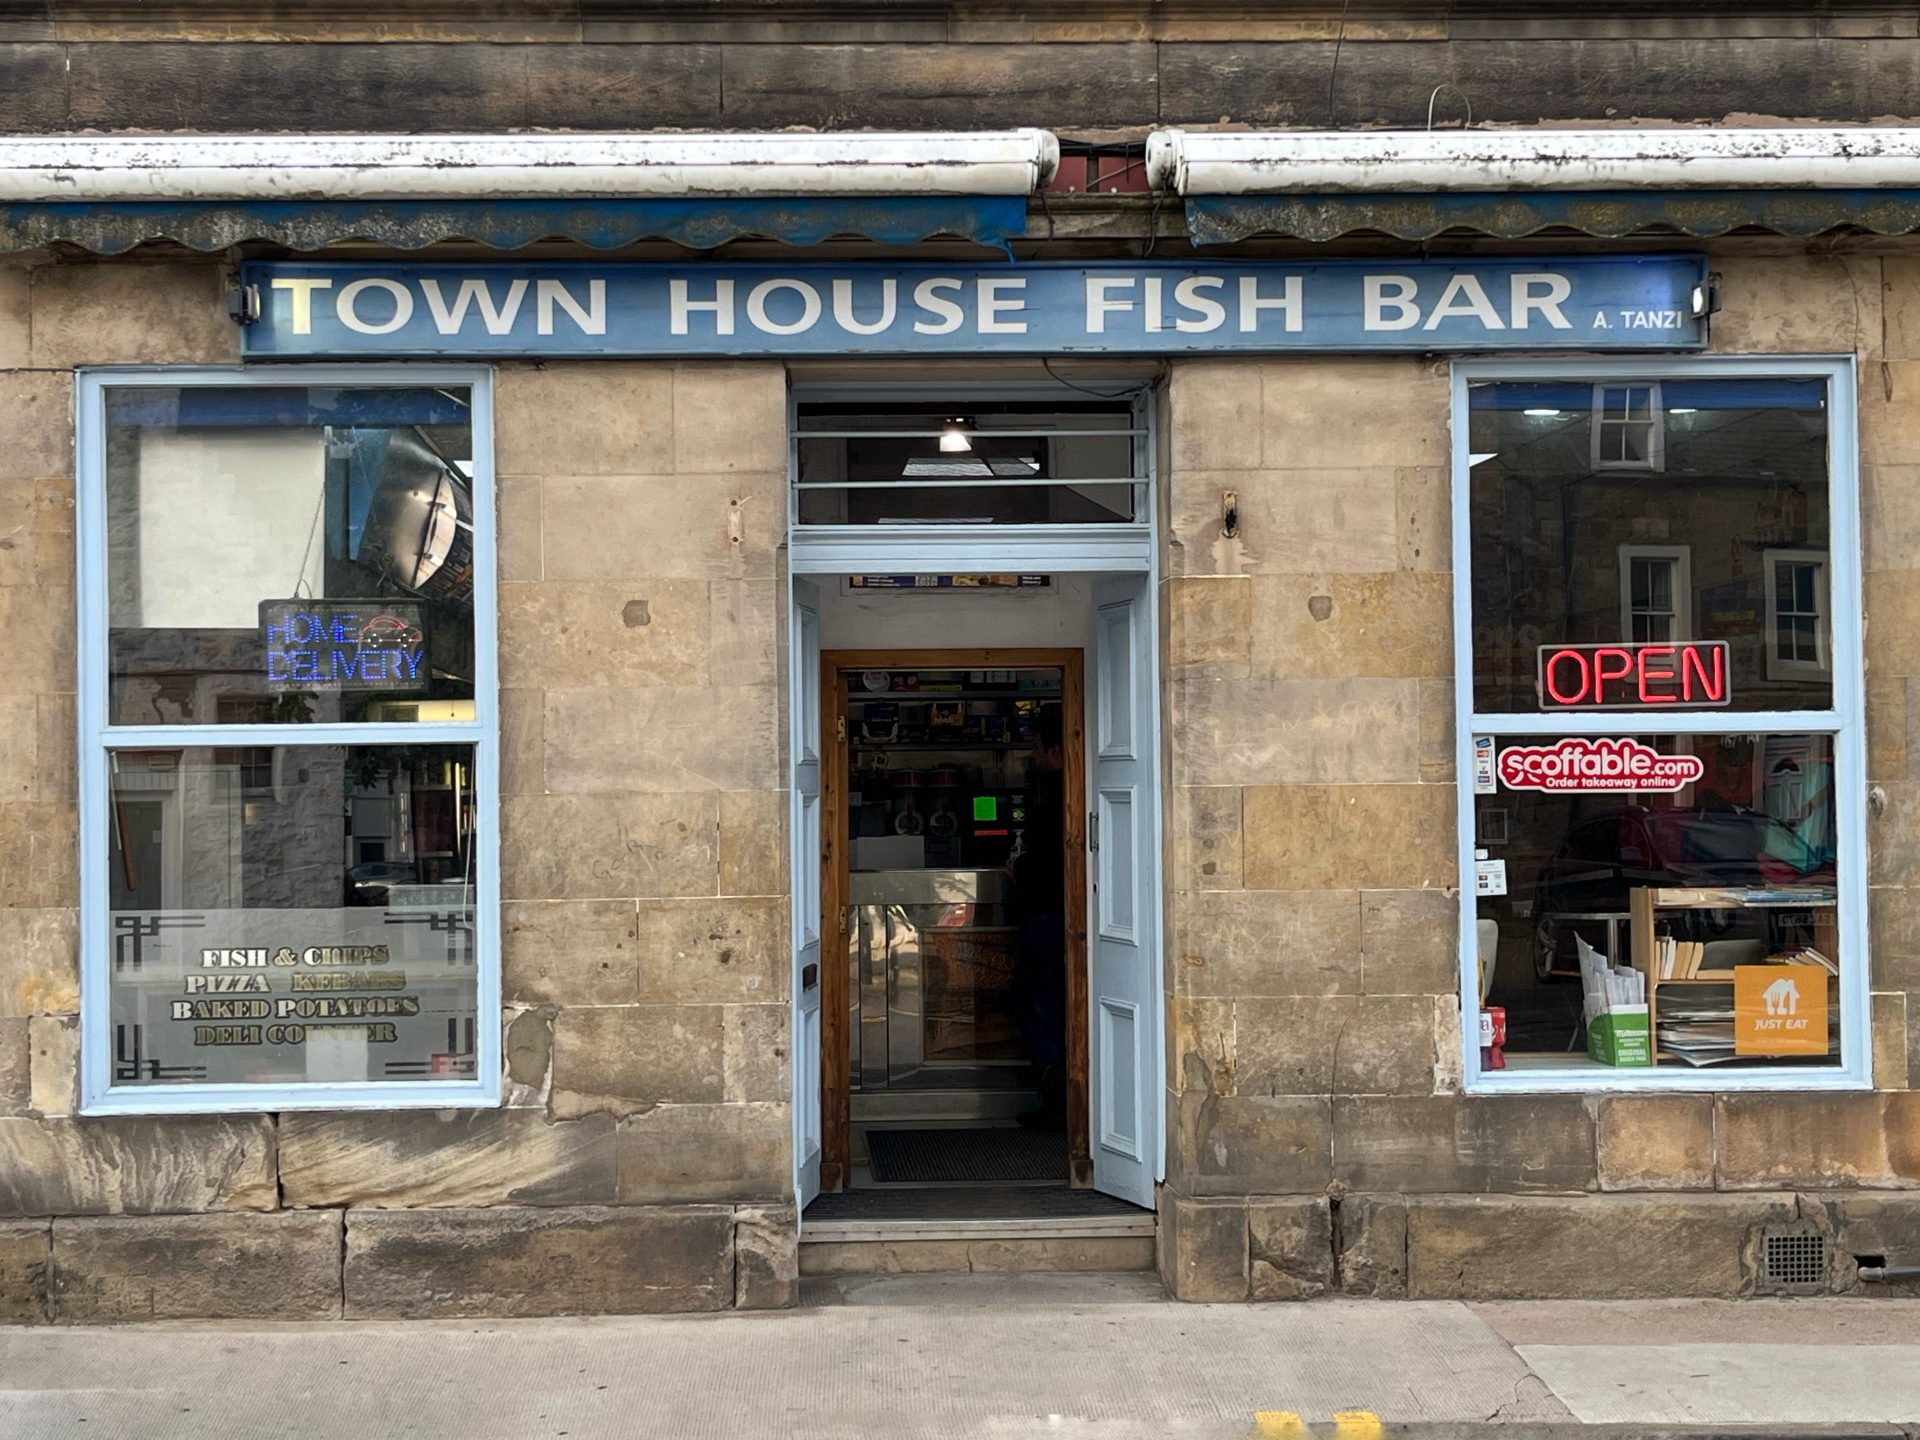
(608, 785)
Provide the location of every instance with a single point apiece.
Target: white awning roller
(1275, 162)
(482, 167)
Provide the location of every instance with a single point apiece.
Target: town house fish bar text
(1037, 307)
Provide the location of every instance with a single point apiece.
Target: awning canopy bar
(56, 169)
(1279, 162)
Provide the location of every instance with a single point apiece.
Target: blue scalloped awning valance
(111, 228)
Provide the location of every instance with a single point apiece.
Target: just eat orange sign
(1779, 1010)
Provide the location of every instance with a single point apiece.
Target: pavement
(999, 1357)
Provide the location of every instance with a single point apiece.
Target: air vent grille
(1793, 1261)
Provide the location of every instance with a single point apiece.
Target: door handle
(1093, 830)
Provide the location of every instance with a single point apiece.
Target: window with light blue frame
(287, 731)
(1659, 703)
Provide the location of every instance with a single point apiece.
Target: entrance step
(1008, 1245)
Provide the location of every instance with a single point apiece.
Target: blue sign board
(1179, 307)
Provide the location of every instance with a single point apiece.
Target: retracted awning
(110, 193)
(1416, 185)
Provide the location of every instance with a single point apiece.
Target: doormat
(923, 1157)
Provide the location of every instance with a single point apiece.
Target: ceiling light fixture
(953, 437)
(1540, 413)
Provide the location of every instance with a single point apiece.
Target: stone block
(523, 742)
(669, 527)
(570, 952)
(1334, 627)
(1311, 521)
(1888, 723)
(1266, 942)
(41, 617)
(1893, 918)
(1204, 837)
(54, 1045)
(1890, 526)
(1363, 731)
(39, 854)
(676, 1154)
(520, 506)
(1890, 1028)
(1590, 1247)
(1409, 942)
(1370, 837)
(528, 1041)
(730, 416)
(19, 742)
(538, 411)
(16, 1065)
(1203, 1248)
(279, 1266)
(1423, 506)
(766, 1258)
(1354, 411)
(1252, 1144)
(662, 738)
(36, 527)
(1334, 1044)
(584, 847)
(1290, 1248)
(1209, 625)
(1014, 1257)
(624, 1060)
(16, 307)
(122, 312)
(25, 1266)
(405, 1159)
(1810, 1141)
(1900, 306)
(1799, 305)
(1889, 429)
(582, 635)
(1203, 1029)
(753, 842)
(135, 1166)
(754, 1053)
(511, 1261)
(1655, 1142)
(1440, 1143)
(747, 623)
(1885, 1225)
(1214, 415)
(1370, 1237)
(1437, 754)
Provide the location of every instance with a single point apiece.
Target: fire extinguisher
(1493, 1038)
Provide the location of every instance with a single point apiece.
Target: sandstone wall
(642, 1158)
(1312, 906)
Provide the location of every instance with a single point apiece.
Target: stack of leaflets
(1696, 1025)
(1614, 1003)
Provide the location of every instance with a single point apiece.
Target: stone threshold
(1074, 1227)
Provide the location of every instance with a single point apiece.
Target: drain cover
(1793, 1260)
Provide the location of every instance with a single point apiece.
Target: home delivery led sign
(1028, 308)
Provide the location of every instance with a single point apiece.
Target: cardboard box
(1622, 1036)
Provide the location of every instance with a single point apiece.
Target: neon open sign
(1611, 677)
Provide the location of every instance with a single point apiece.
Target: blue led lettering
(350, 645)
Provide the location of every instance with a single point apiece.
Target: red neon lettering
(1601, 674)
(1647, 673)
(1560, 698)
(1714, 687)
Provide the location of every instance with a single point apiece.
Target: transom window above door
(970, 461)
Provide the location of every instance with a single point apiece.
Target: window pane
(300, 553)
(1741, 860)
(921, 464)
(292, 913)
(1745, 470)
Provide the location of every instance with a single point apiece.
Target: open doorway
(954, 851)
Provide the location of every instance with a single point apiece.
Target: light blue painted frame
(98, 1096)
(1846, 722)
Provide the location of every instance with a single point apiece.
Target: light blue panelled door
(804, 746)
(1124, 988)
